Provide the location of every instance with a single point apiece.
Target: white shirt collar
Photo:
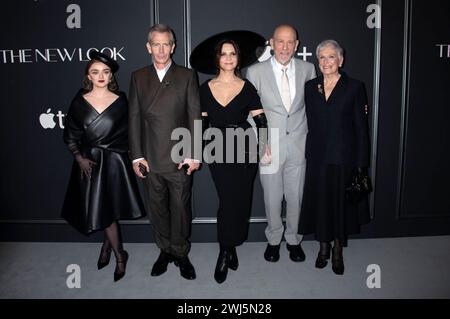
(161, 73)
(278, 66)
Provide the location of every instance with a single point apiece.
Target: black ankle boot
(234, 262)
(323, 256)
(223, 261)
(337, 261)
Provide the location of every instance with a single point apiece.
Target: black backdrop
(404, 65)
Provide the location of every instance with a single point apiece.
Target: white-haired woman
(337, 149)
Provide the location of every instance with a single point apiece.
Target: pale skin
(226, 86)
(100, 97)
(329, 63)
(161, 48)
(284, 44)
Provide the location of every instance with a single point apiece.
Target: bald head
(284, 43)
(285, 28)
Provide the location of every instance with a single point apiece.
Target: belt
(232, 125)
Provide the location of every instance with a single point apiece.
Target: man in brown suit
(163, 97)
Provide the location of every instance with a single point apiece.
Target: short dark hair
(218, 52)
(87, 84)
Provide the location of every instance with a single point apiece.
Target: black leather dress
(112, 192)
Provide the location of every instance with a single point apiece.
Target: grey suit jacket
(292, 126)
(156, 109)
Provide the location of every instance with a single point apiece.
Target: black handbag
(359, 187)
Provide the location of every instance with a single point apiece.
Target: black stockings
(113, 241)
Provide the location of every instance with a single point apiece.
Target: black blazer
(156, 109)
(338, 128)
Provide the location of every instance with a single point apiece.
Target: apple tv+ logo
(47, 119)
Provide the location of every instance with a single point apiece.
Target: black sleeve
(134, 121)
(361, 127)
(73, 129)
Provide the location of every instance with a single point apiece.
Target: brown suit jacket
(156, 109)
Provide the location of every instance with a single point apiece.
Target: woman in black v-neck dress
(234, 177)
(102, 187)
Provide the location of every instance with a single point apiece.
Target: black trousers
(169, 208)
(234, 184)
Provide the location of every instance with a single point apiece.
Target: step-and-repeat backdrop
(45, 46)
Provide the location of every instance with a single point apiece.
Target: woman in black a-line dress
(102, 187)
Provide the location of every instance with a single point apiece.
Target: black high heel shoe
(323, 256)
(103, 262)
(119, 275)
(337, 262)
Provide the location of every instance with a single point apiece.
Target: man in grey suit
(164, 97)
(280, 82)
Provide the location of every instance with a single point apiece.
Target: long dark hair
(87, 84)
(218, 52)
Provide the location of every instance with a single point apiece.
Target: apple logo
(46, 119)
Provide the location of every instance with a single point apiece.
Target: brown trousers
(169, 209)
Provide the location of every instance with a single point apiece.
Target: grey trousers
(287, 182)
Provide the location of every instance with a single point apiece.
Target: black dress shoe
(233, 263)
(103, 259)
(186, 269)
(295, 252)
(337, 262)
(272, 253)
(119, 274)
(223, 261)
(160, 266)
